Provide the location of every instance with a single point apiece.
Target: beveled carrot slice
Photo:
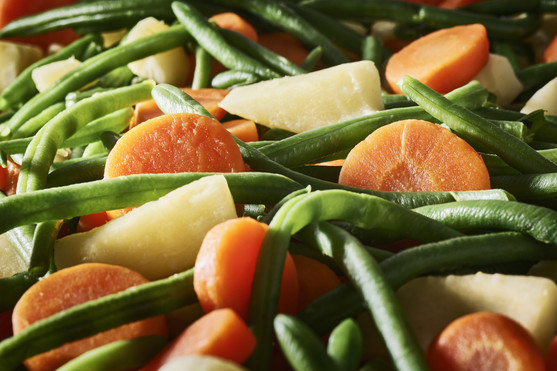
(243, 129)
(233, 22)
(443, 60)
(414, 156)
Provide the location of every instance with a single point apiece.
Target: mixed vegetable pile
(261, 184)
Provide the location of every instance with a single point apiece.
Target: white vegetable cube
(170, 67)
(14, 58)
(10, 262)
(498, 77)
(304, 102)
(157, 239)
(48, 74)
(433, 302)
(545, 98)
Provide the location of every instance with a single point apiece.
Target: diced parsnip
(113, 37)
(544, 98)
(200, 363)
(498, 77)
(157, 239)
(304, 102)
(433, 302)
(10, 262)
(170, 67)
(14, 58)
(48, 74)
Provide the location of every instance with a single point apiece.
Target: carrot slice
(233, 22)
(455, 4)
(75, 285)
(414, 156)
(90, 221)
(207, 97)
(225, 266)
(315, 279)
(550, 53)
(443, 60)
(284, 44)
(484, 341)
(8, 177)
(243, 129)
(221, 333)
(174, 143)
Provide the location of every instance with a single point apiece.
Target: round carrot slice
(443, 60)
(174, 143)
(484, 341)
(414, 156)
(72, 286)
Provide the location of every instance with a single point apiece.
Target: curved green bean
(202, 71)
(345, 344)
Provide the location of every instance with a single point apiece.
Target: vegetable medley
(271, 185)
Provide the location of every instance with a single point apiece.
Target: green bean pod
(77, 170)
(345, 345)
(31, 126)
(504, 7)
(202, 71)
(147, 300)
(529, 186)
(12, 288)
(230, 79)
(170, 99)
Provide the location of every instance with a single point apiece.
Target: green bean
(214, 43)
(202, 71)
(282, 16)
(4, 116)
(44, 237)
(95, 149)
(230, 79)
(41, 151)
(504, 7)
(311, 61)
(32, 125)
(119, 355)
(301, 347)
(78, 171)
(75, 96)
(170, 99)
(89, 318)
(23, 88)
(506, 49)
(372, 50)
(467, 251)
(86, 198)
(529, 186)
(120, 76)
(257, 51)
(12, 288)
(369, 280)
(94, 68)
(497, 27)
(345, 344)
(360, 209)
(470, 125)
(535, 76)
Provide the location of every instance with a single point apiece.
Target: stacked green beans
(306, 209)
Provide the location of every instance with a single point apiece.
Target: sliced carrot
(90, 221)
(174, 143)
(414, 156)
(243, 129)
(233, 22)
(220, 333)
(225, 266)
(315, 279)
(284, 44)
(13, 9)
(443, 60)
(484, 341)
(550, 53)
(551, 356)
(8, 177)
(454, 4)
(208, 97)
(69, 287)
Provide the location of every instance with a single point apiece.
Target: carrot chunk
(233, 22)
(243, 129)
(414, 156)
(285, 45)
(72, 286)
(225, 266)
(315, 279)
(174, 143)
(484, 341)
(221, 333)
(8, 177)
(443, 60)
(550, 53)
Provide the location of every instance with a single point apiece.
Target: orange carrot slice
(174, 143)
(443, 60)
(233, 22)
(90, 221)
(455, 4)
(221, 333)
(8, 177)
(284, 44)
(69, 287)
(225, 265)
(484, 341)
(315, 279)
(243, 129)
(207, 97)
(414, 156)
(550, 53)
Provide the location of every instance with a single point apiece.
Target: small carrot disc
(414, 156)
(443, 60)
(484, 341)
